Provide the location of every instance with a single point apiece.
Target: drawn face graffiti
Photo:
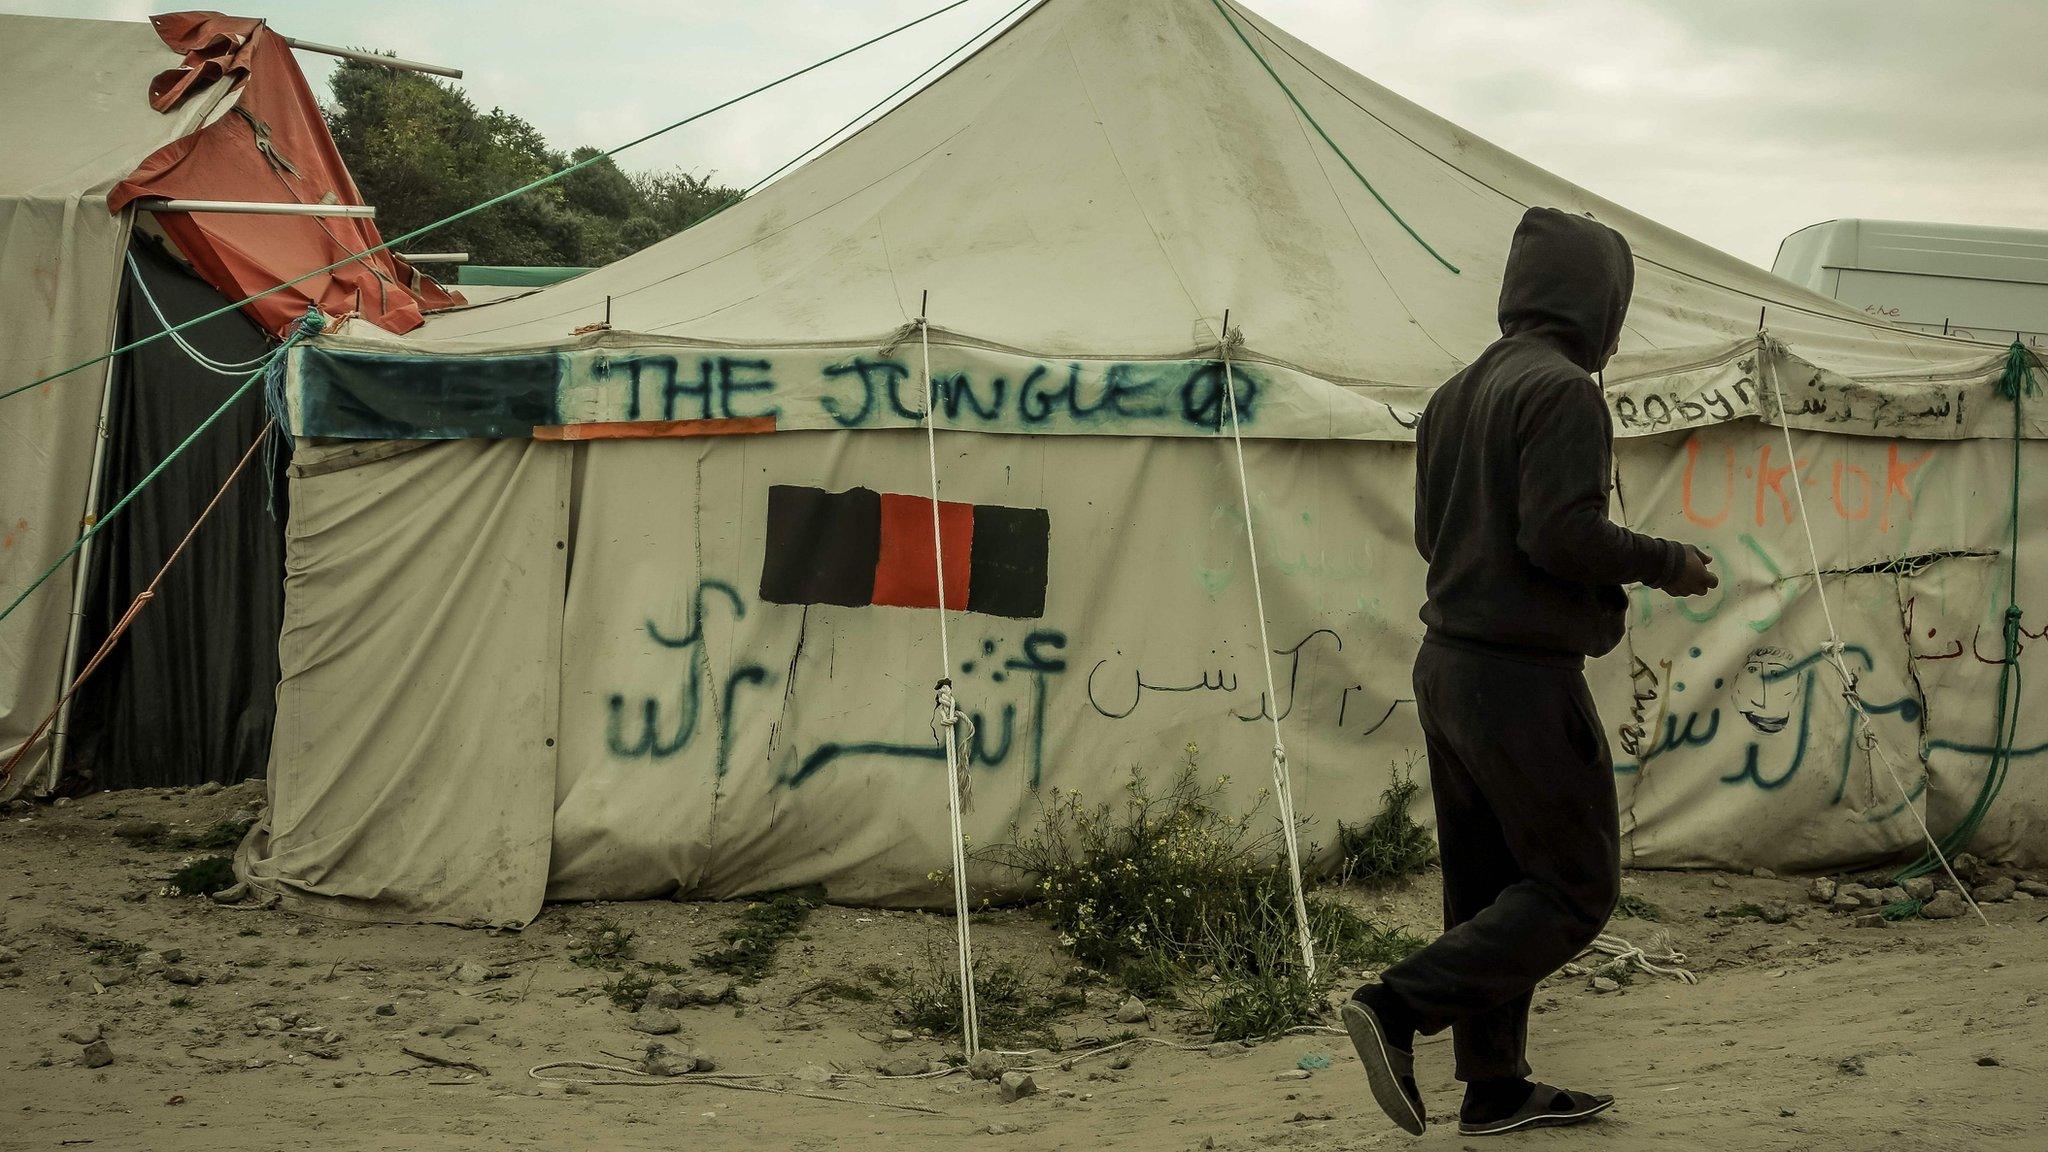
(1763, 693)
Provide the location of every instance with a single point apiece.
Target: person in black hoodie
(1512, 471)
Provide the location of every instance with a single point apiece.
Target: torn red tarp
(272, 145)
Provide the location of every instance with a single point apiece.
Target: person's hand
(1695, 579)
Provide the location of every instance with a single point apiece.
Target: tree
(421, 151)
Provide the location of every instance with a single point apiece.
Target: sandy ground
(1811, 1034)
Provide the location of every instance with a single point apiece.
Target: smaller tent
(101, 116)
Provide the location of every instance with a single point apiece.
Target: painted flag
(861, 547)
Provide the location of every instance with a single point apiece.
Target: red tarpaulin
(271, 146)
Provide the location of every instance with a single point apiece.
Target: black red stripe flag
(861, 547)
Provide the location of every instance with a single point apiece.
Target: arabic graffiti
(689, 706)
(1038, 660)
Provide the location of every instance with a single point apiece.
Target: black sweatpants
(1526, 821)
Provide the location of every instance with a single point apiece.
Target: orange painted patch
(906, 573)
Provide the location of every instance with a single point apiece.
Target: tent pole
(81, 568)
(392, 62)
(258, 208)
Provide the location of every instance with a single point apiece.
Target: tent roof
(76, 94)
(1106, 179)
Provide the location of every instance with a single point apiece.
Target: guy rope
(1283, 783)
(947, 722)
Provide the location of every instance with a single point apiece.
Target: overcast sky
(1736, 121)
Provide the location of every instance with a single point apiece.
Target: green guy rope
(543, 181)
(2016, 383)
(750, 189)
(1296, 101)
(311, 325)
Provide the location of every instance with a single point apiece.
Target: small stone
(1850, 1065)
(1867, 920)
(572, 1088)
(1919, 888)
(470, 972)
(1775, 912)
(1946, 905)
(1604, 984)
(745, 995)
(150, 963)
(1016, 1086)
(1994, 891)
(657, 1022)
(997, 1129)
(1844, 902)
(901, 1036)
(96, 1055)
(1120, 1063)
(1987, 1061)
(208, 789)
(986, 1066)
(1294, 1074)
(141, 832)
(1968, 867)
(701, 1061)
(705, 993)
(1763, 873)
(1821, 891)
(2035, 888)
(814, 1074)
(270, 1023)
(1788, 1113)
(177, 974)
(1721, 882)
(662, 995)
(903, 1066)
(1133, 1011)
(1864, 897)
(387, 1009)
(1893, 895)
(84, 1034)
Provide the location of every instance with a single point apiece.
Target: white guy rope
(947, 721)
(219, 367)
(1868, 738)
(1283, 787)
(1620, 949)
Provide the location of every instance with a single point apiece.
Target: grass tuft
(203, 877)
(1391, 844)
(609, 945)
(751, 944)
(1634, 907)
(1013, 1011)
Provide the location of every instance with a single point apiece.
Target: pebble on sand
(1017, 1085)
(1946, 905)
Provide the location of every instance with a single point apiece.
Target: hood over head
(1568, 278)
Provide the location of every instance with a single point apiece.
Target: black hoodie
(1514, 456)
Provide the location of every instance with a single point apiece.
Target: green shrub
(1391, 844)
(1156, 888)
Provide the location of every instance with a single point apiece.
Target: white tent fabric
(1083, 199)
(76, 121)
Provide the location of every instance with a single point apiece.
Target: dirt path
(1811, 1034)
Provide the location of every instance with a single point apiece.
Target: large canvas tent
(101, 115)
(578, 611)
